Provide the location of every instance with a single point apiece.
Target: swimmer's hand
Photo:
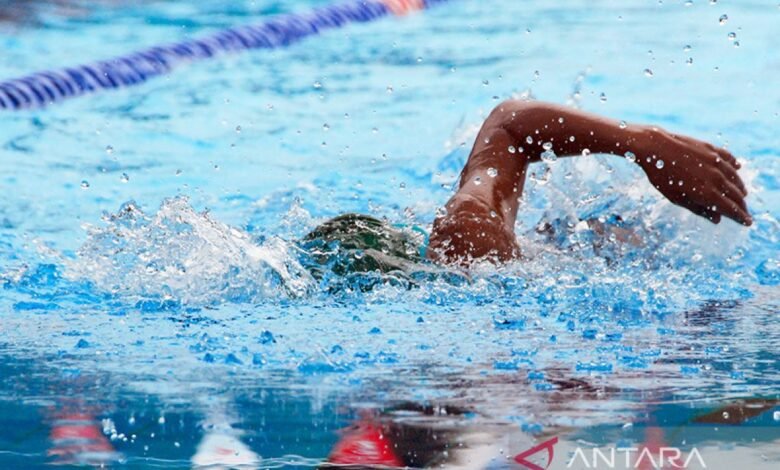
(694, 174)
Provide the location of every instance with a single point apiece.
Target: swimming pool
(155, 311)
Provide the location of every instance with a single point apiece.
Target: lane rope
(47, 87)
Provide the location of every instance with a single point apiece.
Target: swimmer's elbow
(514, 111)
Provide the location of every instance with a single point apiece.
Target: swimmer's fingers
(725, 155)
(732, 209)
(735, 180)
(708, 214)
(731, 191)
(729, 157)
(722, 198)
(730, 173)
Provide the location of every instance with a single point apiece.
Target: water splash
(180, 255)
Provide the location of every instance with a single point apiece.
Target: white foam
(182, 255)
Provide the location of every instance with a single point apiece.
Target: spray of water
(184, 256)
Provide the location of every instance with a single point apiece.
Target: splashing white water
(184, 256)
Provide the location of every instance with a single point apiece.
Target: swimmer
(477, 223)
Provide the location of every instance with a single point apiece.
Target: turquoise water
(152, 286)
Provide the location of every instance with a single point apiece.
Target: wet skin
(478, 221)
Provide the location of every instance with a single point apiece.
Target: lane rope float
(47, 87)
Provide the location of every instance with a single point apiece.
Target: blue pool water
(155, 303)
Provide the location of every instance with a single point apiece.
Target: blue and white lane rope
(47, 87)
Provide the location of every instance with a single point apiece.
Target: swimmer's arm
(478, 221)
(687, 171)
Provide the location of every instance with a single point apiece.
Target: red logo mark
(522, 458)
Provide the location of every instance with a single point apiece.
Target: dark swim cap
(355, 243)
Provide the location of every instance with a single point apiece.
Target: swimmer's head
(354, 243)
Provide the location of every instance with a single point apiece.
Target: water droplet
(511, 149)
(547, 146)
(486, 82)
(543, 178)
(687, 48)
(477, 180)
(109, 150)
(326, 127)
(389, 90)
(659, 164)
(648, 73)
(84, 184)
(317, 85)
(549, 156)
(178, 172)
(732, 36)
(776, 415)
(124, 178)
(623, 124)
(723, 19)
(529, 140)
(726, 415)
(689, 61)
(492, 172)
(585, 152)
(603, 97)
(402, 186)
(161, 420)
(238, 129)
(630, 156)
(266, 337)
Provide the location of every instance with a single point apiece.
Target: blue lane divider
(47, 87)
